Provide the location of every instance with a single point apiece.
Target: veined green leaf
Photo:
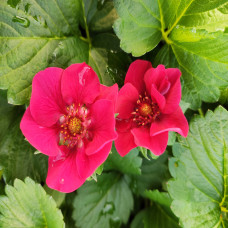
(27, 205)
(193, 31)
(105, 203)
(36, 34)
(200, 170)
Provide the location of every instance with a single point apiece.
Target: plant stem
(201, 112)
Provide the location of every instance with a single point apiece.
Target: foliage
(184, 187)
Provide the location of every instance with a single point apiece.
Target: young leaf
(104, 203)
(129, 164)
(27, 205)
(199, 188)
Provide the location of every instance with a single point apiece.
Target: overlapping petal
(125, 142)
(153, 77)
(42, 138)
(63, 175)
(127, 98)
(157, 144)
(135, 74)
(80, 84)
(87, 165)
(46, 102)
(108, 93)
(102, 125)
(170, 122)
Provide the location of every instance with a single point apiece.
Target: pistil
(146, 111)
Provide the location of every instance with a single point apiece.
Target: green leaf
(67, 210)
(27, 205)
(193, 31)
(224, 96)
(36, 34)
(199, 167)
(129, 164)
(17, 159)
(105, 203)
(153, 174)
(59, 197)
(155, 216)
(98, 171)
(203, 59)
(108, 60)
(161, 198)
(139, 25)
(100, 15)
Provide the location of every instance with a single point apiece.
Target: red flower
(148, 107)
(71, 119)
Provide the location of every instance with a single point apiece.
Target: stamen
(146, 111)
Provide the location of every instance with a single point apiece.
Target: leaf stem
(88, 39)
(201, 112)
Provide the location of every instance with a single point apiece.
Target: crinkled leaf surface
(36, 34)
(200, 171)
(17, 158)
(193, 31)
(105, 203)
(26, 204)
(129, 164)
(158, 215)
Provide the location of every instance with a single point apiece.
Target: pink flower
(148, 107)
(71, 119)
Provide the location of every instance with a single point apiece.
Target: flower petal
(157, 97)
(63, 175)
(126, 101)
(157, 144)
(87, 165)
(46, 104)
(109, 93)
(123, 125)
(80, 84)
(102, 125)
(154, 76)
(135, 74)
(42, 138)
(170, 122)
(173, 96)
(173, 75)
(125, 143)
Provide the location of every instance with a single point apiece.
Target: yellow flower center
(145, 109)
(75, 125)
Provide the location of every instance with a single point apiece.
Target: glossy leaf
(199, 168)
(193, 31)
